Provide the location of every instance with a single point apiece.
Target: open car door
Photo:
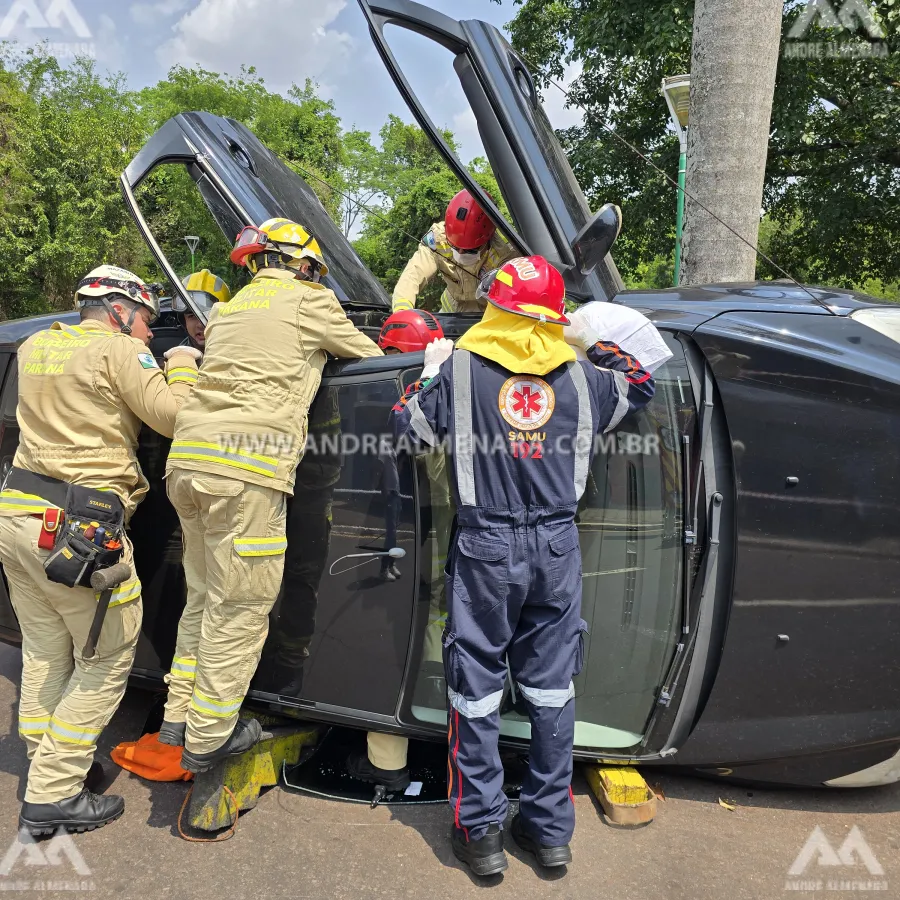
(548, 208)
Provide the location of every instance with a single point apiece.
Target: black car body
(740, 537)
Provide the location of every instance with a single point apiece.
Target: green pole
(679, 223)
(194, 268)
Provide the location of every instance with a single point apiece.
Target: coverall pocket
(579, 647)
(565, 565)
(221, 505)
(451, 659)
(481, 571)
(257, 569)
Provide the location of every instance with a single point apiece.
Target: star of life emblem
(526, 402)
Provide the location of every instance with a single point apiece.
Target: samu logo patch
(526, 402)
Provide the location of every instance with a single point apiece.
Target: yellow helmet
(290, 244)
(205, 290)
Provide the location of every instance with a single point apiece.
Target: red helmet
(527, 287)
(467, 224)
(409, 330)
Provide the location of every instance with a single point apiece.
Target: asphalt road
(298, 847)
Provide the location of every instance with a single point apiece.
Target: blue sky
(285, 40)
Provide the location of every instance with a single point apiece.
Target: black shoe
(246, 735)
(549, 857)
(360, 768)
(483, 857)
(83, 812)
(94, 777)
(172, 733)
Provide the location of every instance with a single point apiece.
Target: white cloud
(560, 115)
(149, 14)
(286, 43)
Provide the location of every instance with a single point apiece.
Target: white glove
(436, 353)
(582, 333)
(193, 352)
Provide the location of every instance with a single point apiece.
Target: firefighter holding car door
(462, 250)
(238, 441)
(520, 415)
(84, 391)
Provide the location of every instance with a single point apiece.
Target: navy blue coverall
(521, 447)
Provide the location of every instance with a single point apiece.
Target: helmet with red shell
(467, 224)
(527, 286)
(409, 330)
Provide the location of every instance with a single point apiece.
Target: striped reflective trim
(124, 593)
(622, 404)
(583, 443)
(73, 330)
(29, 503)
(33, 725)
(419, 423)
(555, 698)
(403, 303)
(204, 704)
(204, 452)
(184, 667)
(448, 304)
(73, 734)
(462, 420)
(475, 709)
(182, 375)
(263, 546)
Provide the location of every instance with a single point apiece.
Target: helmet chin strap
(124, 327)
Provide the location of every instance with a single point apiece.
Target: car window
(631, 529)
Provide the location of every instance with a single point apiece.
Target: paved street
(297, 847)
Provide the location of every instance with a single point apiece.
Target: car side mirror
(595, 240)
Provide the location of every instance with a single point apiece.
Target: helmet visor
(251, 240)
(202, 301)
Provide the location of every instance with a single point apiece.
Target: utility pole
(734, 59)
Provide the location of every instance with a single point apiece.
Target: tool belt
(88, 536)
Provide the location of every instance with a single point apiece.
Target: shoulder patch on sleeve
(429, 241)
(147, 361)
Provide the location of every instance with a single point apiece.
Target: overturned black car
(740, 537)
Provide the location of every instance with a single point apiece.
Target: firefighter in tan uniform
(237, 444)
(462, 250)
(83, 393)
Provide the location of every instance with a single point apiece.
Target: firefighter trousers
(65, 702)
(514, 596)
(234, 544)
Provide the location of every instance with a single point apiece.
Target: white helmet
(96, 287)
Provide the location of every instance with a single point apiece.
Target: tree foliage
(833, 178)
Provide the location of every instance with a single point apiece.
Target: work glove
(193, 352)
(436, 353)
(581, 331)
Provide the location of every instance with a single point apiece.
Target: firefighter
(205, 290)
(84, 391)
(231, 469)
(462, 250)
(385, 762)
(520, 415)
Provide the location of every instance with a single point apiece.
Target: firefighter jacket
(435, 257)
(84, 391)
(522, 445)
(262, 365)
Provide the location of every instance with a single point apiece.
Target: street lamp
(193, 242)
(677, 91)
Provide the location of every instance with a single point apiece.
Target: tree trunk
(733, 63)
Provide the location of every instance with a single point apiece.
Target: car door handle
(393, 553)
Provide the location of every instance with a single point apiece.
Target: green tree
(833, 175)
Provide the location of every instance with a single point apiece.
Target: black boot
(172, 733)
(246, 735)
(83, 812)
(360, 768)
(484, 856)
(546, 856)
